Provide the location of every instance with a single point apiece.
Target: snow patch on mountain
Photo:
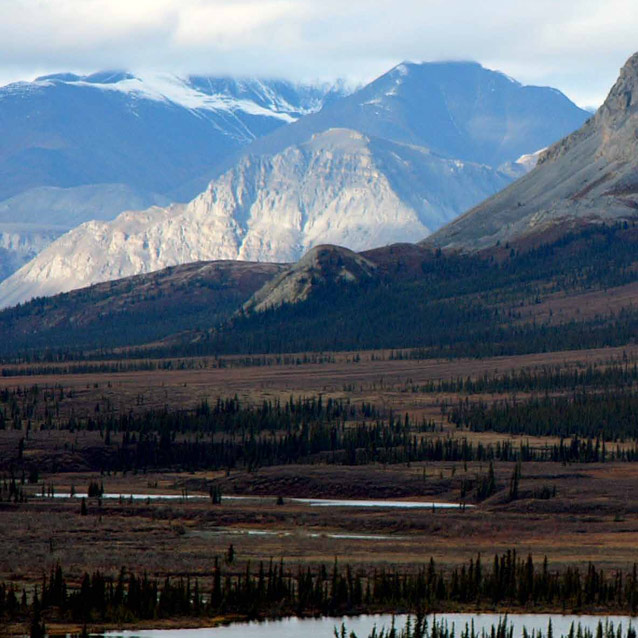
(156, 132)
(251, 96)
(170, 88)
(523, 165)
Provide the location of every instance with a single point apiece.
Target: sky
(577, 46)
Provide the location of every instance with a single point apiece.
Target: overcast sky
(577, 46)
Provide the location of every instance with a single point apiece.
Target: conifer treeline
(41, 407)
(228, 435)
(609, 415)
(547, 379)
(356, 445)
(420, 626)
(274, 590)
(40, 363)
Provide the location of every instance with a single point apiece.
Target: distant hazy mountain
(20, 243)
(457, 109)
(394, 161)
(76, 148)
(588, 177)
(151, 132)
(30, 221)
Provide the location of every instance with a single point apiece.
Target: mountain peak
(623, 97)
(321, 265)
(611, 131)
(414, 70)
(411, 64)
(587, 177)
(59, 77)
(100, 77)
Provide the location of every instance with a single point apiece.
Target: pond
(311, 502)
(243, 531)
(362, 625)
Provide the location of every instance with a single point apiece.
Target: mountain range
(556, 272)
(152, 132)
(392, 161)
(79, 148)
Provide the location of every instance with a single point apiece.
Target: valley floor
(588, 511)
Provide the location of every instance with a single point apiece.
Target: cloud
(224, 25)
(576, 45)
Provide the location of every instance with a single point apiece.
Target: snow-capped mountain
(151, 132)
(77, 148)
(393, 161)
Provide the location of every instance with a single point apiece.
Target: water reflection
(362, 625)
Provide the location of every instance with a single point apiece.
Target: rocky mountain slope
(424, 143)
(340, 187)
(591, 176)
(30, 221)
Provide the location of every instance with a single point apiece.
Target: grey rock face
(589, 176)
(339, 187)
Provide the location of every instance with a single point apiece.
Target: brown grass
(594, 517)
